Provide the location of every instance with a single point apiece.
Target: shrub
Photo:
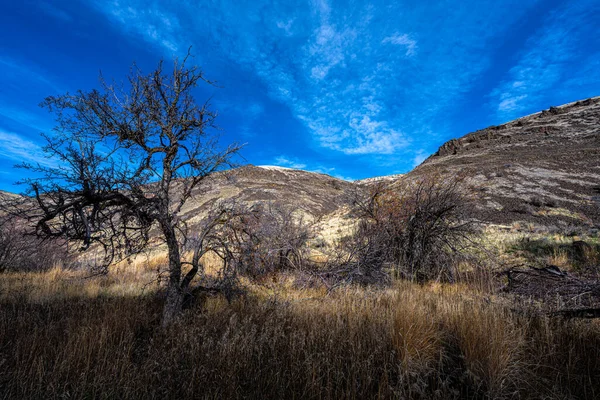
(536, 201)
(418, 229)
(256, 241)
(272, 238)
(21, 252)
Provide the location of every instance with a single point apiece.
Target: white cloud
(17, 148)
(403, 40)
(319, 72)
(510, 103)
(327, 49)
(286, 26)
(283, 161)
(153, 24)
(373, 136)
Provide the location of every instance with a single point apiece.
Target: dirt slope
(315, 194)
(543, 168)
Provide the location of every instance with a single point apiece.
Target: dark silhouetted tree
(126, 158)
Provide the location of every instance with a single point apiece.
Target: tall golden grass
(62, 336)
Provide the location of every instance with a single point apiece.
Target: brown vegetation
(21, 252)
(406, 341)
(417, 231)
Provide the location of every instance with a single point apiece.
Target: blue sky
(351, 88)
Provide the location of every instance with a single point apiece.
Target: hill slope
(313, 193)
(543, 168)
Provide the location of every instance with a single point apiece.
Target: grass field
(63, 335)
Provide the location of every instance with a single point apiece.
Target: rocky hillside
(379, 180)
(542, 169)
(314, 194)
(7, 195)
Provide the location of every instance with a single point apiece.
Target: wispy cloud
(283, 161)
(19, 149)
(32, 121)
(360, 85)
(286, 26)
(547, 60)
(403, 40)
(24, 83)
(20, 74)
(152, 23)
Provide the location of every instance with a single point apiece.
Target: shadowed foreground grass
(408, 341)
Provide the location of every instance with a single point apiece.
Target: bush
(536, 201)
(257, 241)
(272, 238)
(417, 229)
(21, 252)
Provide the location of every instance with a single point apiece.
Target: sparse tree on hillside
(127, 158)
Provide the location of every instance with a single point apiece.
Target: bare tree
(126, 159)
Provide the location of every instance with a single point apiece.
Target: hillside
(7, 195)
(313, 193)
(516, 322)
(543, 168)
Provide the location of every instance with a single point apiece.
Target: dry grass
(542, 249)
(63, 336)
(560, 258)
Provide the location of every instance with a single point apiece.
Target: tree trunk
(174, 300)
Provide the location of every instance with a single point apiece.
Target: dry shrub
(560, 258)
(266, 239)
(418, 229)
(21, 252)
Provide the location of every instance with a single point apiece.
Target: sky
(353, 89)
